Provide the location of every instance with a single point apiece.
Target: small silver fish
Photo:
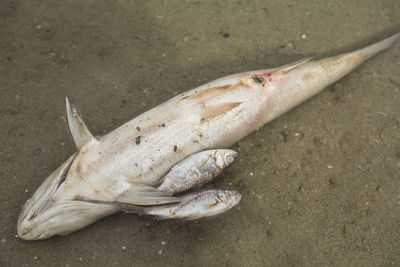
(197, 170)
(193, 205)
(129, 165)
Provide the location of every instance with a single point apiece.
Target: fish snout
(23, 230)
(28, 233)
(229, 197)
(230, 156)
(27, 229)
(225, 157)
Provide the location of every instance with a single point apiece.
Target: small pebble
(35, 258)
(163, 243)
(251, 174)
(123, 247)
(329, 166)
(226, 35)
(303, 36)
(160, 252)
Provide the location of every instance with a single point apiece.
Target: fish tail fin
(307, 79)
(334, 68)
(378, 47)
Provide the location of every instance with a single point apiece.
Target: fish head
(218, 201)
(227, 199)
(45, 214)
(225, 157)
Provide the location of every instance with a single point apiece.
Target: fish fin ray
(141, 195)
(78, 129)
(289, 67)
(143, 211)
(140, 210)
(212, 111)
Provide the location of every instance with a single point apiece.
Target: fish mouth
(63, 217)
(228, 198)
(26, 227)
(29, 234)
(42, 200)
(45, 214)
(234, 198)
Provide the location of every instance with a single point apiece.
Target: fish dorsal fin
(79, 131)
(287, 68)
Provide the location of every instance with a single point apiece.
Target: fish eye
(229, 159)
(220, 197)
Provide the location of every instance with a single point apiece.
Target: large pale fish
(176, 146)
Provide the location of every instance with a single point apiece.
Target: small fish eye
(229, 159)
(220, 197)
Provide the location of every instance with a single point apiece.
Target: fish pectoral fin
(212, 111)
(79, 131)
(289, 67)
(141, 195)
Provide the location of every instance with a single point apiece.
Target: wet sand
(320, 185)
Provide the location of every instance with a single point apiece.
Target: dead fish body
(197, 170)
(194, 205)
(129, 165)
